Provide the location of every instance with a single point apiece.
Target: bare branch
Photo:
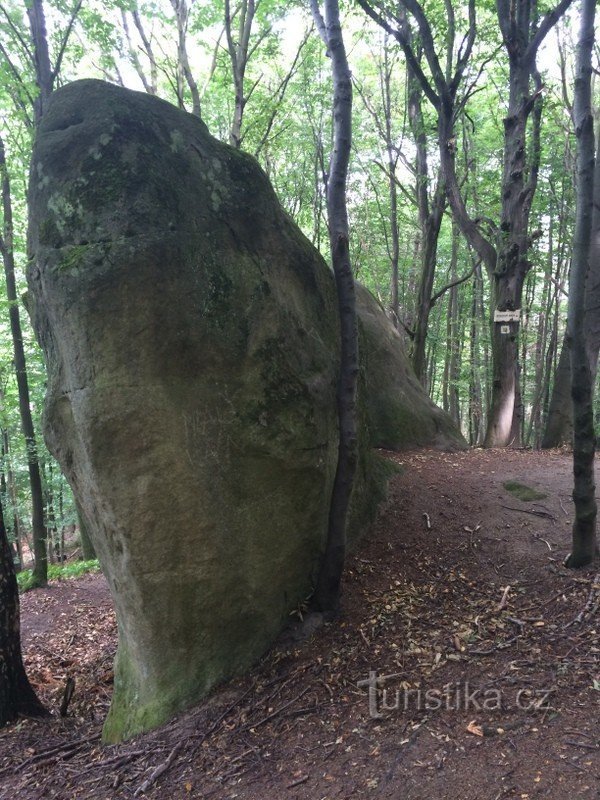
(406, 48)
(546, 25)
(22, 41)
(451, 285)
(65, 40)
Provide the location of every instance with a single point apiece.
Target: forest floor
(458, 590)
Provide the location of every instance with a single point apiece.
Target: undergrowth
(58, 572)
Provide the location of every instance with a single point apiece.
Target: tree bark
(184, 72)
(40, 570)
(582, 390)
(16, 694)
(327, 592)
(559, 425)
(239, 54)
(45, 76)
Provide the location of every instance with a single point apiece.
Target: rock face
(400, 414)
(190, 336)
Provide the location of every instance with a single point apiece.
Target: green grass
(58, 572)
(522, 492)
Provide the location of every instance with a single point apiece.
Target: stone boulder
(399, 412)
(191, 341)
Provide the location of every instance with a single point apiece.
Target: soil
(458, 590)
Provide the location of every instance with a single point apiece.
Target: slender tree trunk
(238, 47)
(393, 188)
(431, 222)
(16, 694)
(559, 425)
(453, 339)
(540, 376)
(150, 83)
(582, 390)
(182, 14)
(40, 571)
(592, 289)
(326, 597)
(11, 492)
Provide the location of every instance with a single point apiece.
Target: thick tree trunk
(16, 694)
(582, 391)
(512, 264)
(326, 596)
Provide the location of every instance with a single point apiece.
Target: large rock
(400, 414)
(191, 343)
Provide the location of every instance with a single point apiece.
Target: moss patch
(522, 492)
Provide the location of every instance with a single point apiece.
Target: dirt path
(490, 693)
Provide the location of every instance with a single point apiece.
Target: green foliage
(58, 572)
(522, 492)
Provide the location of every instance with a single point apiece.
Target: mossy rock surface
(191, 339)
(400, 413)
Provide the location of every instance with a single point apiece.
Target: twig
(585, 745)
(564, 510)
(159, 770)
(533, 511)
(504, 599)
(67, 695)
(276, 713)
(51, 752)
(541, 539)
(592, 603)
(501, 646)
(298, 782)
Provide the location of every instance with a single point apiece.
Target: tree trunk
(239, 54)
(559, 425)
(184, 71)
(11, 493)
(453, 338)
(431, 223)
(16, 694)
(582, 390)
(519, 183)
(327, 592)
(40, 571)
(44, 74)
